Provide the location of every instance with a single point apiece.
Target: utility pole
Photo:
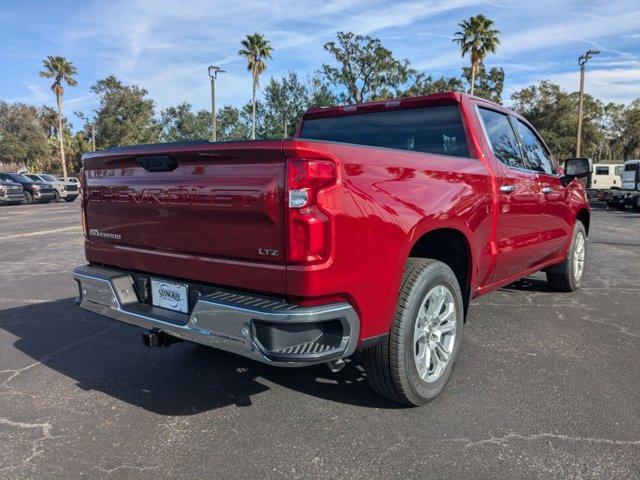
(93, 137)
(90, 128)
(582, 60)
(213, 73)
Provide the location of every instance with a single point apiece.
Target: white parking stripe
(41, 232)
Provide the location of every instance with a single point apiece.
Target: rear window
(436, 130)
(602, 170)
(630, 167)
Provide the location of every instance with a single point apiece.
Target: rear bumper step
(262, 328)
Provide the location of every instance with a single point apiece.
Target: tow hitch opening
(157, 338)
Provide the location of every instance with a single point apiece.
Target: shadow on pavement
(184, 379)
(528, 285)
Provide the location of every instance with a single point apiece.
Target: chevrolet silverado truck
(61, 188)
(371, 229)
(10, 192)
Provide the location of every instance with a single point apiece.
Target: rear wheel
(69, 199)
(415, 362)
(28, 198)
(567, 276)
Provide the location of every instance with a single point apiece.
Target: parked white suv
(66, 190)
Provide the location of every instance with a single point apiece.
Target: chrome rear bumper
(263, 328)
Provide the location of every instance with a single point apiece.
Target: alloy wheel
(434, 333)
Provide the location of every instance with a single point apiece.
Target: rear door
(519, 199)
(556, 219)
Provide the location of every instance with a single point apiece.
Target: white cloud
(621, 85)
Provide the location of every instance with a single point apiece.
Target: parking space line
(41, 232)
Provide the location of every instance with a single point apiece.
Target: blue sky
(165, 46)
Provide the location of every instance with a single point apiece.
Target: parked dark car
(33, 191)
(10, 192)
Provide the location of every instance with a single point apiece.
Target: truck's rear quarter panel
(387, 199)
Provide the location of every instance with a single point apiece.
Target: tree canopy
(365, 69)
(125, 115)
(476, 38)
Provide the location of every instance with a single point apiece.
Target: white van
(606, 176)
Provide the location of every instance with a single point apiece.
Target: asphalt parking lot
(547, 386)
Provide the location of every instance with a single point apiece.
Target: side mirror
(576, 168)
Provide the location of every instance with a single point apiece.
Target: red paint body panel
(206, 220)
(210, 218)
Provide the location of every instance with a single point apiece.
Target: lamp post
(213, 73)
(582, 60)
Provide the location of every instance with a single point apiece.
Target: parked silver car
(66, 190)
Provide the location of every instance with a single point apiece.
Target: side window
(502, 138)
(602, 170)
(537, 156)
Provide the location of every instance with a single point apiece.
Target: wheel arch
(584, 216)
(452, 247)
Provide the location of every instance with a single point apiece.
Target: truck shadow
(527, 284)
(184, 379)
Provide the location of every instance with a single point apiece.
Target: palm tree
(477, 38)
(256, 49)
(61, 70)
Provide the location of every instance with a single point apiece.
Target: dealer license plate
(169, 295)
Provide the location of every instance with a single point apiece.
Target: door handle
(507, 188)
(547, 190)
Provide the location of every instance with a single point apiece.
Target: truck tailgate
(212, 212)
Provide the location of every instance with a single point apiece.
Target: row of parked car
(30, 188)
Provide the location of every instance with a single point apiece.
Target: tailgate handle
(157, 163)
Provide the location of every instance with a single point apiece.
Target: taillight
(309, 225)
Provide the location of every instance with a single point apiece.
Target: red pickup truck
(370, 230)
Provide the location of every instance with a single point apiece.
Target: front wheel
(56, 196)
(567, 276)
(415, 362)
(28, 198)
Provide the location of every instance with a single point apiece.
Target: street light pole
(582, 60)
(213, 73)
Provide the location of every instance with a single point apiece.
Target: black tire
(564, 276)
(69, 199)
(637, 203)
(28, 198)
(391, 369)
(56, 196)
